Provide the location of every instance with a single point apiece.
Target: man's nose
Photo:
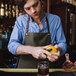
(33, 10)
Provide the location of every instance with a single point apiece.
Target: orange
(51, 49)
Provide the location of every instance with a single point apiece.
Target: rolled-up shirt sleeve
(60, 38)
(15, 38)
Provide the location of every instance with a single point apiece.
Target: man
(35, 31)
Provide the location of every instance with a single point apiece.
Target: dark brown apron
(33, 39)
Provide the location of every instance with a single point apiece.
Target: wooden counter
(31, 70)
(34, 72)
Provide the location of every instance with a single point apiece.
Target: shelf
(63, 4)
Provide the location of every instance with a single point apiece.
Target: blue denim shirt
(18, 34)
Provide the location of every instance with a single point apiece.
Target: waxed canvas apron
(33, 39)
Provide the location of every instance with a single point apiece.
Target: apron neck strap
(48, 26)
(27, 26)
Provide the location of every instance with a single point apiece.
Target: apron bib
(33, 39)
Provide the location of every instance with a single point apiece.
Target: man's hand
(54, 56)
(39, 53)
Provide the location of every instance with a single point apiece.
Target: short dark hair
(22, 2)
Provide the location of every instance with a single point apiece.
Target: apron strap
(48, 26)
(28, 25)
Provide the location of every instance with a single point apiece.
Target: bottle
(67, 65)
(71, 2)
(68, 1)
(74, 66)
(17, 11)
(10, 11)
(7, 34)
(64, 0)
(2, 10)
(74, 2)
(1, 29)
(13, 11)
(6, 10)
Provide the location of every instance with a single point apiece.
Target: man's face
(33, 8)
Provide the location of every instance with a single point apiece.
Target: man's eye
(35, 4)
(27, 8)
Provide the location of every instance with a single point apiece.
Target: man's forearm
(22, 49)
